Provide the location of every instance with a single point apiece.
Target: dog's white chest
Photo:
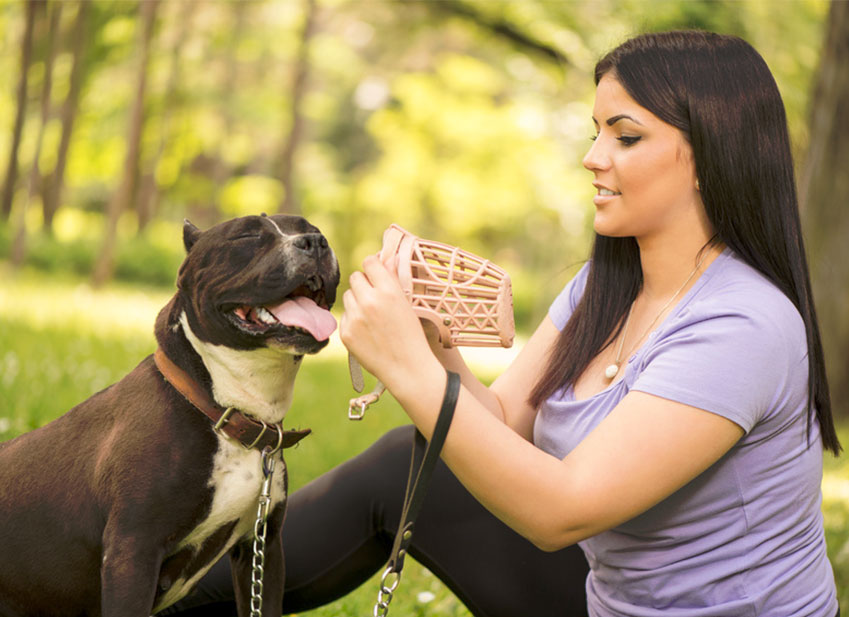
(258, 383)
(236, 482)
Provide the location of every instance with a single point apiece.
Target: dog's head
(259, 281)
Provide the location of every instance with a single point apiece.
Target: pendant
(611, 371)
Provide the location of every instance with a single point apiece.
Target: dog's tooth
(265, 316)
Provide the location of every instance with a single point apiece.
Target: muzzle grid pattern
(469, 299)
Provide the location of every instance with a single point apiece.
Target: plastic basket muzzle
(469, 299)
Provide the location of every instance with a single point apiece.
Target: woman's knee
(385, 463)
(371, 481)
(395, 442)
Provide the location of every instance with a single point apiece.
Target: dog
(122, 504)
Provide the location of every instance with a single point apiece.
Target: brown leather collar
(230, 421)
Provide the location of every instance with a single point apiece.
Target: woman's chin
(604, 226)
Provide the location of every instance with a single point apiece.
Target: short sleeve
(564, 304)
(731, 362)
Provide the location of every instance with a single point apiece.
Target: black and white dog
(122, 504)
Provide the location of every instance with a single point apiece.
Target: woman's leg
(339, 531)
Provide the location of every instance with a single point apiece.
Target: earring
(698, 188)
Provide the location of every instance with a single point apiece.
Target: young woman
(669, 415)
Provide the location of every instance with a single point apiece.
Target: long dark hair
(720, 93)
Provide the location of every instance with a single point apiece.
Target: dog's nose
(310, 243)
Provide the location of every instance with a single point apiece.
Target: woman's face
(643, 167)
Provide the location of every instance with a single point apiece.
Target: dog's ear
(190, 234)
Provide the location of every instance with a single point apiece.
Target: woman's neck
(668, 263)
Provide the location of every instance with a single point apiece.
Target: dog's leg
(241, 560)
(129, 573)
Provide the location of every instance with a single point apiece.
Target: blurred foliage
(151, 257)
(464, 121)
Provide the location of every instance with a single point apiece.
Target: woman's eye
(625, 139)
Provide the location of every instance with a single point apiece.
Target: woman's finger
(379, 274)
(359, 283)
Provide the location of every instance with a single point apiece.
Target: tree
(19, 244)
(296, 120)
(55, 182)
(147, 201)
(123, 196)
(20, 115)
(825, 195)
(502, 28)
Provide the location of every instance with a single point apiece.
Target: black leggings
(339, 531)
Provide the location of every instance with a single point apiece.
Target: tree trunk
(214, 165)
(18, 251)
(825, 194)
(122, 197)
(147, 202)
(229, 86)
(290, 204)
(56, 181)
(20, 115)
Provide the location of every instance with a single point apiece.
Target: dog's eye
(247, 237)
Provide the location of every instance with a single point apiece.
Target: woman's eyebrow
(614, 119)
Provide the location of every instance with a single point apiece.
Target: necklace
(613, 370)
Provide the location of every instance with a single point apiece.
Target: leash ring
(279, 445)
(388, 589)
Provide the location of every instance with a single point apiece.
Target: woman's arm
(646, 449)
(507, 397)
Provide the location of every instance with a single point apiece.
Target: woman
(669, 414)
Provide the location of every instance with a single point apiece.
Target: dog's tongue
(304, 313)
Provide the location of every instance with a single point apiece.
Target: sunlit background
(463, 121)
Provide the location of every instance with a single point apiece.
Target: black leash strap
(422, 463)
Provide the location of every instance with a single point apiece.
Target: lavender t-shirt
(744, 538)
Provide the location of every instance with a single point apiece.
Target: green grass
(835, 508)
(61, 341)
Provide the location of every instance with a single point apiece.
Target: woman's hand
(379, 326)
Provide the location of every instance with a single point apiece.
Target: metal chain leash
(258, 561)
(384, 594)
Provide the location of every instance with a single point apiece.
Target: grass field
(61, 341)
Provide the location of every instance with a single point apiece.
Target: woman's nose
(595, 159)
